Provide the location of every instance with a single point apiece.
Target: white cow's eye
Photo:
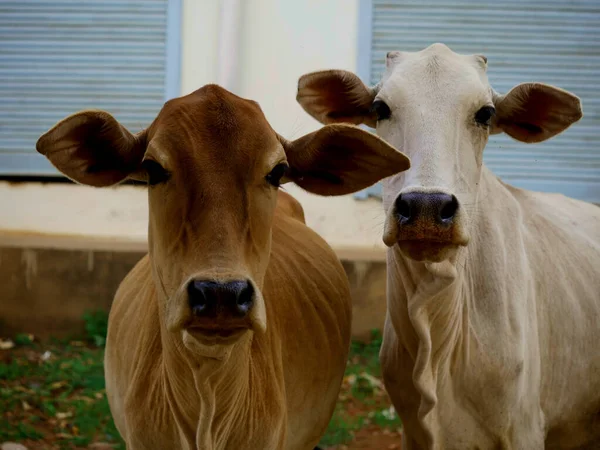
(381, 110)
(485, 115)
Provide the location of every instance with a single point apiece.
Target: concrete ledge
(74, 217)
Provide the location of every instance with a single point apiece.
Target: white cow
(492, 336)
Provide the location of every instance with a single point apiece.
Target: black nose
(212, 298)
(436, 206)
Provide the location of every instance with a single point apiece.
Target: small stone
(6, 344)
(12, 446)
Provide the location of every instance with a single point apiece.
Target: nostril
(209, 298)
(449, 208)
(403, 208)
(245, 298)
(197, 299)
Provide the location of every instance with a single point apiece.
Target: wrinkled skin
(493, 291)
(233, 331)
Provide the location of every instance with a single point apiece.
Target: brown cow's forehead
(213, 123)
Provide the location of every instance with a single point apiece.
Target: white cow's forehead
(436, 65)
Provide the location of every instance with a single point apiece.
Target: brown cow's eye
(485, 115)
(274, 177)
(381, 110)
(156, 173)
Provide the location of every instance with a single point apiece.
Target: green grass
(362, 401)
(364, 356)
(341, 428)
(96, 325)
(60, 401)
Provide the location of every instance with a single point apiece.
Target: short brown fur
(217, 217)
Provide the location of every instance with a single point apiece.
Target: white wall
(280, 40)
(283, 39)
(199, 43)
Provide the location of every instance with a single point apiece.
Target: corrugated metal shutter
(61, 56)
(550, 41)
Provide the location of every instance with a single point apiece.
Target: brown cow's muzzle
(220, 311)
(427, 226)
(216, 312)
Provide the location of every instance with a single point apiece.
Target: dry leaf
(100, 446)
(22, 389)
(83, 399)
(64, 436)
(63, 415)
(373, 381)
(350, 380)
(58, 385)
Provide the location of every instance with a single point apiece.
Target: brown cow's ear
(336, 96)
(92, 148)
(534, 112)
(341, 159)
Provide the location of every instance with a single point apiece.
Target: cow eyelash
(381, 110)
(276, 174)
(485, 115)
(156, 173)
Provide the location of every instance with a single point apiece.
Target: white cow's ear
(91, 147)
(336, 96)
(534, 112)
(341, 159)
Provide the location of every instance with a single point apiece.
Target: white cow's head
(438, 108)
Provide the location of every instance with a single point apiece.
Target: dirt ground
(372, 438)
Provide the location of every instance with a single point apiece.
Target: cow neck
(431, 322)
(219, 399)
(432, 304)
(429, 312)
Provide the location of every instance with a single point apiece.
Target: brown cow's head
(437, 107)
(213, 166)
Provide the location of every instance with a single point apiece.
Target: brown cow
(233, 332)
